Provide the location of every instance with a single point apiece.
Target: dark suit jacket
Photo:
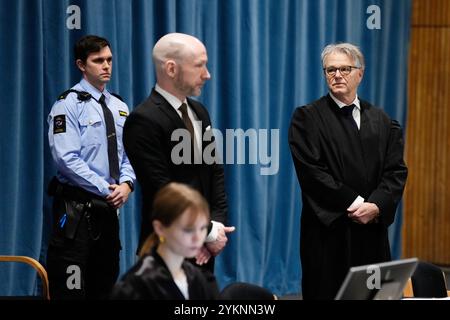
(335, 163)
(150, 279)
(147, 140)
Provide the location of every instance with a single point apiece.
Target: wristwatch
(130, 184)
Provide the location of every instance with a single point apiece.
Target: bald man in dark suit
(180, 63)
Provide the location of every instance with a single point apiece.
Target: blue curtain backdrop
(264, 58)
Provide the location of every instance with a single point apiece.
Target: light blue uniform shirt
(81, 150)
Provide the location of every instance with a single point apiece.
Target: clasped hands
(363, 213)
(119, 195)
(213, 248)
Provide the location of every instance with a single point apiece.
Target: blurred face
(98, 67)
(184, 237)
(342, 86)
(192, 72)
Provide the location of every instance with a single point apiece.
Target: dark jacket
(150, 279)
(147, 140)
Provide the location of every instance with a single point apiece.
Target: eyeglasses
(345, 70)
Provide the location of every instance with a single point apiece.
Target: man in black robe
(348, 156)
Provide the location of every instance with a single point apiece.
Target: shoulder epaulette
(117, 96)
(81, 95)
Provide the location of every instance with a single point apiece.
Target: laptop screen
(379, 281)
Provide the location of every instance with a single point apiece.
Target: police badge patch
(59, 124)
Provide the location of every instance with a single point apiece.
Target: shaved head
(175, 46)
(180, 64)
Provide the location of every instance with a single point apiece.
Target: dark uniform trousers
(83, 253)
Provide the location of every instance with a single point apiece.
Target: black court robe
(335, 163)
(150, 279)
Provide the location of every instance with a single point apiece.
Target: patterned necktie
(113, 157)
(347, 111)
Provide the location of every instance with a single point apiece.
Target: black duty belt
(78, 203)
(56, 188)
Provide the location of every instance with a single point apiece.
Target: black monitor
(378, 281)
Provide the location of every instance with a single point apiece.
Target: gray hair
(348, 49)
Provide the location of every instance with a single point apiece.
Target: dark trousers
(87, 266)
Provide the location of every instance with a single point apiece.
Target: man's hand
(203, 256)
(215, 247)
(365, 213)
(119, 195)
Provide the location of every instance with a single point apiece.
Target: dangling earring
(161, 239)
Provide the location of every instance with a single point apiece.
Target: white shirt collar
(173, 101)
(342, 104)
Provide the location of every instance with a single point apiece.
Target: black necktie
(347, 111)
(187, 122)
(113, 157)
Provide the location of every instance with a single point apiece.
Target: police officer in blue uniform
(94, 178)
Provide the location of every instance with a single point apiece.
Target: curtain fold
(264, 59)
